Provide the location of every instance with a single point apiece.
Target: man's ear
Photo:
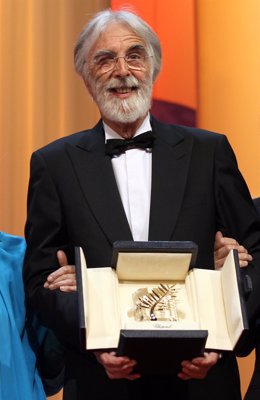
(88, 88)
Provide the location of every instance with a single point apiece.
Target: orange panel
(174, 22)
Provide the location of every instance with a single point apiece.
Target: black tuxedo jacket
(73, 200)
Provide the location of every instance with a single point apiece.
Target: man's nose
(121, 67)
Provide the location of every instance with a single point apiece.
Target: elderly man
(130, 178)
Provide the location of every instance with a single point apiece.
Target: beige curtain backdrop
(41, 97)
(229, 78)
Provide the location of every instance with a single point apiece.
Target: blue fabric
(19, 379)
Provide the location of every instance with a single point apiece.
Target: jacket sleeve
(237, 216)
(45, 233)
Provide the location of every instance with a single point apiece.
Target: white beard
(123, 110)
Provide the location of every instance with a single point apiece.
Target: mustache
(126, 82)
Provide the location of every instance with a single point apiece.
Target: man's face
(123, 94)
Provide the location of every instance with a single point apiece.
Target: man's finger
(62, 258)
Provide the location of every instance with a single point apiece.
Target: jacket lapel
(96, 178)
(170, 165)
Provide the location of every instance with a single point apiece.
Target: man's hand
(223, 245)
(64, 278)
(117, 367)
(198, 367)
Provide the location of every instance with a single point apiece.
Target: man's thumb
(62, 258)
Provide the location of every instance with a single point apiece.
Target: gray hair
(99, 23)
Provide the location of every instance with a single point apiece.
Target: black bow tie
(115, 147)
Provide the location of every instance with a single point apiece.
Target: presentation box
(153, 305)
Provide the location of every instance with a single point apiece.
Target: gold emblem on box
(157, 304)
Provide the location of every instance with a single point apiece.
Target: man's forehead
(122, 37)
(117, 34)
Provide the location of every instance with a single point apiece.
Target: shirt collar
(111, 134)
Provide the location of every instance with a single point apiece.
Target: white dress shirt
(133, 172)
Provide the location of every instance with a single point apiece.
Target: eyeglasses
(135, 61)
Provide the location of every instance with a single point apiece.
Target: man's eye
(104, 61)
(134, 56)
